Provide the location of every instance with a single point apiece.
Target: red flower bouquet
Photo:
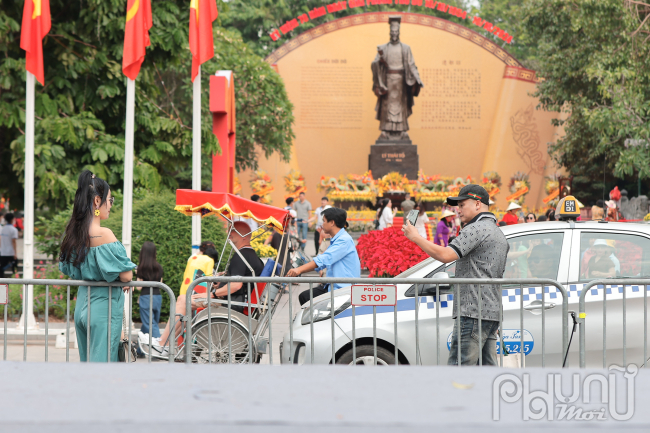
(387, 253)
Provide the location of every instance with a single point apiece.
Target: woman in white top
(422, 221)
(385, 214)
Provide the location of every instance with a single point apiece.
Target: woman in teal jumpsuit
(91, 252)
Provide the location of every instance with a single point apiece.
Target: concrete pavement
(159, 397)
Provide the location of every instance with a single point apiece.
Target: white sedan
(572, 253)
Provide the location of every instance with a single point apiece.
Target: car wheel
(365, 356)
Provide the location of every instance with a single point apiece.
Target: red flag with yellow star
(136, 36)
(202, 14)
(36, 24)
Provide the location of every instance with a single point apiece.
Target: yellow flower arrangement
(294, 184)
(351, 195)
(394, 182)
(519, 187)
(263, 250)
(432, 196)
(491, 182)
(237, 186)
(352, 187)
(261, 185)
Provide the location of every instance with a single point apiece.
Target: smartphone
(412, 217)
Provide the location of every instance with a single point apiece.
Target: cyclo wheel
(219, 325)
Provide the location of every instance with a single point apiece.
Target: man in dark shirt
(238, 292)
(480, 251)
(241, 237)
(279, 243)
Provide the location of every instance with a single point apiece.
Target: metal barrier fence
(78, 283)
(250, 328)
(591, 290)
(243, 336)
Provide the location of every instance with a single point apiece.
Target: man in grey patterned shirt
(480, 251)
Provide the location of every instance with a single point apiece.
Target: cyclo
(218, 333)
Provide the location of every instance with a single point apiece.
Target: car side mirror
(429, 289)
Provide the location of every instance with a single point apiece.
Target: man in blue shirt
(340, 258)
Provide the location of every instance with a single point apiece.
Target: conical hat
(513, 206)
(447, 213)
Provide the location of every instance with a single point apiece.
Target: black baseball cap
(473, 192)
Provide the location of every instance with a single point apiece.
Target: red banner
(429, 4)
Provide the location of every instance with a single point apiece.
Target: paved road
(317, 399)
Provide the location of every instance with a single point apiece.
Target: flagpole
(196, 157)
(127, 213)
(28, 237)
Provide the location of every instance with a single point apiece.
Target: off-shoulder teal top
(103, 263)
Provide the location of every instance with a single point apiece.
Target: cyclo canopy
(189, 202)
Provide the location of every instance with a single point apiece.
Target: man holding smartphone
(480, 251)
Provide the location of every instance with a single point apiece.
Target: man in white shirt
(318, 217)
(8, 236)
(302, 207)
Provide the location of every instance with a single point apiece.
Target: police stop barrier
(336, 327)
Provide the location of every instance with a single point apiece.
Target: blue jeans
(302, 233)
(143, 302)
(471, 342)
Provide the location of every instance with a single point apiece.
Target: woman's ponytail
(76, 240)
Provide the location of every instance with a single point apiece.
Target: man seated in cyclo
(340, 259)
(241, 238)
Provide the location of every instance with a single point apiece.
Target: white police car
(572, 253)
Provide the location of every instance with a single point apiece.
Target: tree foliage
(507, 14)
(594, 58)
(80, 111)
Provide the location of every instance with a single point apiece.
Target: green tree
(80, 110)
(507, 14)
(593, 56)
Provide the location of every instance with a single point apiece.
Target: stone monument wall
(473, 115)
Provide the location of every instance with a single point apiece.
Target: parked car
(572, 253)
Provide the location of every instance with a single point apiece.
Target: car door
(602, 254)
(536, 254)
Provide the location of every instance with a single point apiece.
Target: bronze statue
(395, 81)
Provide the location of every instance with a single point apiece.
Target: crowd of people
(92, 252)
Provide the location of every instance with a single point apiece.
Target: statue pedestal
(400, 156)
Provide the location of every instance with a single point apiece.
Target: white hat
(293, 213)
(447, 213)
(610, 204)
(602, 242)
(513, 206)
